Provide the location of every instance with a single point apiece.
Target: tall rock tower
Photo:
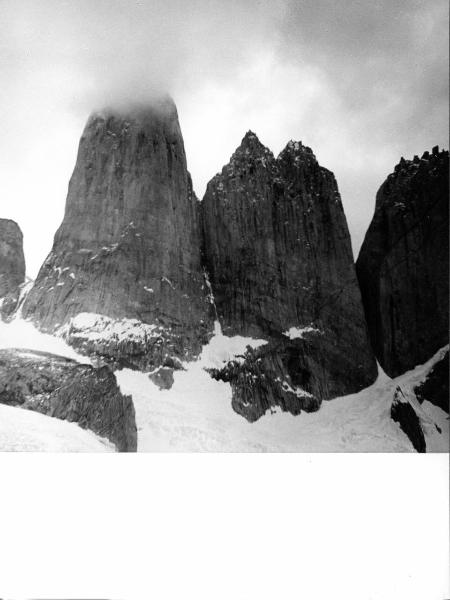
(403, 263)
(280, 262)
(12, 261)
(12, 266)
(128, 248)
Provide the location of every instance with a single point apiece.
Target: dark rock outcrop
(162, 377)
(129, 244)
(435, 387)
(281, 373)
(278, 255)
(62, 388)
(123, 343)
(404, 414)
(12, 265)
(403, 264)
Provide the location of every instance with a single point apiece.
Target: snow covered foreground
(27, 431)
(196, 414)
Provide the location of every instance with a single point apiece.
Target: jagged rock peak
(279, 259)
(251, 156)
(251, 140)
(412, 172)
(251, 148)
(435, 156)
(297, 149)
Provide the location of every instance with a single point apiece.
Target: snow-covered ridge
(22, 334)
(100, 328)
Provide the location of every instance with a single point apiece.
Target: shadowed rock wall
(403, 264)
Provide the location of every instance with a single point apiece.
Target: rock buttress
(403, 264)
(279, 258)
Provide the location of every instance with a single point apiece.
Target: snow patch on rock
(100, 328)
(299, 332)
(223, 349)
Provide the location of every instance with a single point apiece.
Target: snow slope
(27, 431)
(196, 414)
(22, 334)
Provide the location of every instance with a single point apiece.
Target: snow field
(195, 415)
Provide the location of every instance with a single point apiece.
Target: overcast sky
(362, 82)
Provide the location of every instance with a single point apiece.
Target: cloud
(361, 82)
(124, 50)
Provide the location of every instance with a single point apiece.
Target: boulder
(162, 377)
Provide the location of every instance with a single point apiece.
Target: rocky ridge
(403, 263)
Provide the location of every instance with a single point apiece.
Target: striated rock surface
(12, 265)
(62, 388)
(403, 264)
(129, 244)
(279, 259)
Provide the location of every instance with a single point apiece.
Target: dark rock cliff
(12, 264)
(403, 264)
(434, 388)
(278, 254)
(129, 244)
(403, 413)
(60, 387)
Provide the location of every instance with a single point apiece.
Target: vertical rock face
(12, 264)
(129, 245)
(279, 257)
(403, 264)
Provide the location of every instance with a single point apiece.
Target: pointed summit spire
(251, 147)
